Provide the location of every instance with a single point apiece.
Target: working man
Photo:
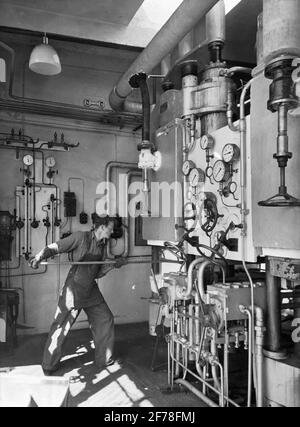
(81, 291)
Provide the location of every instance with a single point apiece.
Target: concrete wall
(84, 75)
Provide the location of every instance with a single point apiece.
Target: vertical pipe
(186, 45)
(259, 354)
(165, 65)
(273, 310)
(297, 316)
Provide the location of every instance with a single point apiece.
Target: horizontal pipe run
(198, 393)
(184, 19)
(227, 399)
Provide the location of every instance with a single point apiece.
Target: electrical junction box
(70, 204)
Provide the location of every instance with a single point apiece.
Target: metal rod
(133, 261)
(273, 310)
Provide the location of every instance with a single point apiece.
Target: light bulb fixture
(44, 59)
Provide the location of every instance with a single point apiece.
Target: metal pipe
(205, 383)
(216, 23)
(214, 352)
(231, 71)
(229, 113)
(243, 135)
(244, 310)
(273, 310)
(38, 106)
(259, 316)
(181, 22)
(187, 293)
(201, 271)
(198, 393)
(111, 262)
(129, 175)
(108, 171)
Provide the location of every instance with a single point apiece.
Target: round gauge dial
(231, 153)
(207, 142)
(188, 165)
(209, 172)
(233, 187)
(50, 162)
(196, 177)
(221, 172)
(28, 160)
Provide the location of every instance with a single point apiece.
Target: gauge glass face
(28, 160)
(209, 172)
(196, 177)
(233, 187)
(50, 162)
(187, 167)
(219, 171)
(230, 153)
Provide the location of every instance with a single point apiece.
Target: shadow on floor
(131, 383)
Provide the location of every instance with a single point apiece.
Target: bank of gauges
(196, 178)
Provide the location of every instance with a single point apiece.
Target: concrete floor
(130, 384)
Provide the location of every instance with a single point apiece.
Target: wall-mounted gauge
(50, 162)
(231, 153)
(196, 177)
(221, 171)
(28, 160)
(207, 142)
(188, 165)
(233, 187)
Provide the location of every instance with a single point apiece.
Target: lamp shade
(45, 60)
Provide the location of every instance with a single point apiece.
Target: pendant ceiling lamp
(44, 59)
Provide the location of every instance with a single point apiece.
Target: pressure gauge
(196, 177)
(28, 160)
(207, 142)
(188, 165)
(221, 171)
(209, 172)
(50, 162)
(231, 153)
(233, 187)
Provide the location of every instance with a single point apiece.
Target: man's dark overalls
(80, 291)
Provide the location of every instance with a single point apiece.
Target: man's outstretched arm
(48, 252)
(62, 246)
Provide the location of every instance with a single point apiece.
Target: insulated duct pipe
(181, 22)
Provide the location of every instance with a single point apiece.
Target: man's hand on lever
(34, 262)
(48, 252)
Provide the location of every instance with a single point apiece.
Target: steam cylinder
(281, 29)
(212, 97)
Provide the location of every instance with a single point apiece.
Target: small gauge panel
(187, 167)
(207, 142)
(230, 153)
(50, 162)
(196, 177)
(28, 160)
(221, 171)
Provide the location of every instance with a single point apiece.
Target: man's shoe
(111, 362)
(50, 372)
(114, 362)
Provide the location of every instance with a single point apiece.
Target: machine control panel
(215, 191)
